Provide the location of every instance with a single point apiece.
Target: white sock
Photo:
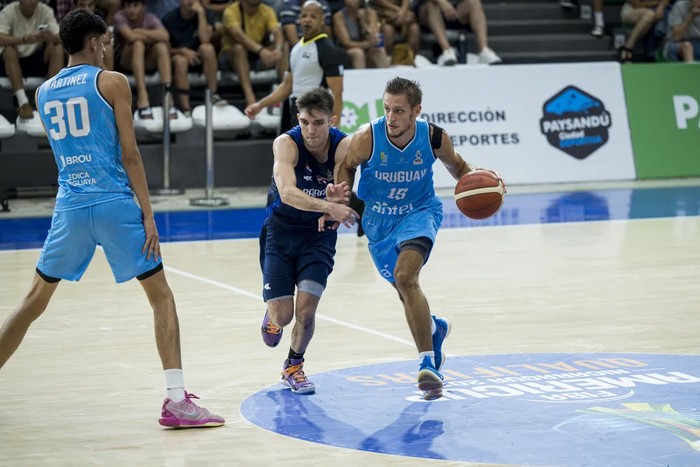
(21, 97)
(422, 355)
(598, 18)
(174, 384)
(433, 326)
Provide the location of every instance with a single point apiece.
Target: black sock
(294, 355)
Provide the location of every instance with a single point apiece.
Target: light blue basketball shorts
(386, 233)
(116, 225)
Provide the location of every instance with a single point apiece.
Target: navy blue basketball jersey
(394, 181)
(83, 135)
(312, 178)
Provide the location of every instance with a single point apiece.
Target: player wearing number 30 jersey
(83, 134)
(86, 113)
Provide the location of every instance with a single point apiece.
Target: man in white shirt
(30, 46)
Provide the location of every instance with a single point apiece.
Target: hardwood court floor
(85, 387)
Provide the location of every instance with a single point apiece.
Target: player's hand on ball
(498, 176)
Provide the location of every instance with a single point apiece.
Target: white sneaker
(488, 57)
(447, 58)
(597, 30)
(421, 62)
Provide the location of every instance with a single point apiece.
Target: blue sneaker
(442, 330)
(429, 380)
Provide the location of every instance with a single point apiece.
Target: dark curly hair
(79, 26)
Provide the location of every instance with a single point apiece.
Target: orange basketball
(479, 194)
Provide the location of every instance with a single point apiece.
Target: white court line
(258, 297)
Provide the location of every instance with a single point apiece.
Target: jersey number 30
(67, 113)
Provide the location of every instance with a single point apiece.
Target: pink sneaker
(187, 414)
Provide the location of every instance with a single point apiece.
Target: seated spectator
(90, 5)
(641, 15)
(398, 19)
(191, 27)
(30, 46)
(289, 18)
(683, 40)
(248, 25)
(437, 15)
(140, 47)
(356, 31)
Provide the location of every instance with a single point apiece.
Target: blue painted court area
(519, 209)
(568, 410)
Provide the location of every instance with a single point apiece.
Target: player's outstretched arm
(286, 157)
(116, 90)
(281, 92)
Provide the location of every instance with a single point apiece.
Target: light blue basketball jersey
(394, 181)
(82, 131)
(397, 187)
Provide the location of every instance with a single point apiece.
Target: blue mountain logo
(575, 122)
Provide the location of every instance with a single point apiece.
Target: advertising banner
(532, 123)
(663, 102)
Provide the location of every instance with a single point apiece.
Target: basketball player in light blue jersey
(402, 213)
(86, 113)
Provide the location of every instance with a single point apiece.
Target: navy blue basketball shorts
(288, 257)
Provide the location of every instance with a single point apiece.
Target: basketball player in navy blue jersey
(87, 116)
(294, 251)
(402, 213)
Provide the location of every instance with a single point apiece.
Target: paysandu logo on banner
(575, 122)
(533, 409)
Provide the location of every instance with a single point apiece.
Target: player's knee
(405, 280)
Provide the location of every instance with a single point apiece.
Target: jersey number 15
(64, 116)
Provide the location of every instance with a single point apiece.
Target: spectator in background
(356, 31)
(314, 61)
(398, 19)
(291, 26)
(141, 46)
(90, 5)
(30, 46)
(437, 15)
(191, 27)
(248, 25)
(683, 42)
(641, 15)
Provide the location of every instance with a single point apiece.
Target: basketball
(479, 194)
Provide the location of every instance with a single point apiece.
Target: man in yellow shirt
(248, 25)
